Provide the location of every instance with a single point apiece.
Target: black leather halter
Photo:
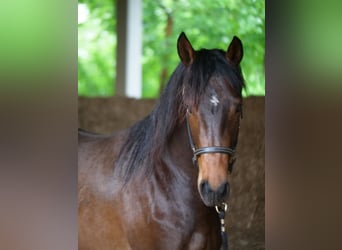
(207, 150)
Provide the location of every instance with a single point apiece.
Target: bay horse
(156, 184)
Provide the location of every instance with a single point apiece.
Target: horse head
(213, 100)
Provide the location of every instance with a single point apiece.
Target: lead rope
(221, 210)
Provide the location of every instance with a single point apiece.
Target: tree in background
(207, 23)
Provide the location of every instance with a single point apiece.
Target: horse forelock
(208, 64)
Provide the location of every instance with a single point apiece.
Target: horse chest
(160, 231)
(174, 240)
(164, 221)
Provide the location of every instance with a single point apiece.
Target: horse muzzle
(213, 197)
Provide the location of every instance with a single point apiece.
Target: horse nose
(205, 187)
(220, 192)
(223, 189)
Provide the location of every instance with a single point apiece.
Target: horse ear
(185, 51)
(235, 51)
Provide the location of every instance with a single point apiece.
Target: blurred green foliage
(207, 24)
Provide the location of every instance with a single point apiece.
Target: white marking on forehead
(214, 100)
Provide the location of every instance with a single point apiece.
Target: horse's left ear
(185, 51)
(235, 51)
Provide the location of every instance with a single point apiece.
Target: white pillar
(129, 48)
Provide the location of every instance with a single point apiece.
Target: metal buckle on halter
(221, 208)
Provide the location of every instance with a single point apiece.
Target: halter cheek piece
(207, 150)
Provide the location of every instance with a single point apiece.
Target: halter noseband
(206, 150)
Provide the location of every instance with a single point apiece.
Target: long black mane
(147, 139)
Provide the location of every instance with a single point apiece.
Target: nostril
(204, 187)
(223, 189)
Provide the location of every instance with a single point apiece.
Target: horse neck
(176, 178)
(177, 161)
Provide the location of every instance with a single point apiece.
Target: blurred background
(149, 29)
(38, 155)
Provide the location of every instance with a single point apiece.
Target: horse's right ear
(185, 51)
(235, 51)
